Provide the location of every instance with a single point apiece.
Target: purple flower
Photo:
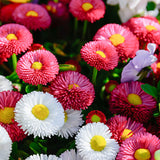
(142, 59)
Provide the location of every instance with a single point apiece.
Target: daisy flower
(73, 90)
(8, 101)
(36, 46)
(90, 10)
(5, 144)
(65, 1)
(100, 54)
(147, 30)
(93, 141)
(96, 116)
(130, 100)
(125, 42)
(43, 157)
(37, 67)
(123, 128)
(140, 146)
(72, 122)
(39, 114)
(14, 38)
(5, 84)
(33, 16)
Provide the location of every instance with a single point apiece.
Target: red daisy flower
(14, 38)
(147, 30)
(90, 10)
(141, 146)
(125, 42)
(33, 16)
(8, 101)
(110, 85)
(130, 100)
(36, 46)
(75, 63)
(37, 67)
(100, 54)
(73, 90)
(96, 116)
(123, 128)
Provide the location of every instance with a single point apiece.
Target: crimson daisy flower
(33, 16)
(100, 54)
(130, 100)
(90, 10)
(37, 67)
(123, 128)
(36, 46)
(95, 116)
(14, 38)
(147, 30)
(8, 101)
(142, 145)
(125, 42)
(73, 90)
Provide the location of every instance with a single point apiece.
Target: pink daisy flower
(14, 38)
(37, 67)
(8, 101)
(123, 128)
(130, 100)
(90, 10)
(33, 16)
(141, 146)
(125, 42)
(73, 90)
(147, 30)
(100, 54)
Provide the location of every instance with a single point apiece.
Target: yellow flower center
(150, 28)
(87, 6)
(112, 87)
(37, 65)
(40, 111)
(158, 65)
(65, 116)
(98, 143)
(6, 115)
(32, 14)
(142, 154)
(157, 155)
(19, 1)
(48, 7)
(95, 118)
(101, 54)
(11, 36)
(53, 10)
(70, 86)
(134, 99)
(116, 39)
(126, 134)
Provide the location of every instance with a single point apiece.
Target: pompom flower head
(43, 157)
(100, 54)
(142, 59)
(122, 39)
(90, 10)
(73, 90)
(130, 100)
(7, 117)
(39, 114)
(5, 84)
(5, 144)
(93, 141)
(37, 67)
(14, 38)
(33, 16)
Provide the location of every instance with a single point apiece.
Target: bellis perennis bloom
(142, 59)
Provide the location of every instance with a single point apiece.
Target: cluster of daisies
(43, 100)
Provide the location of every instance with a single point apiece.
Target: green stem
(75, 26)
(84, 29)
(39, 87)
(94, 76)
(66, 67)
(14, 61)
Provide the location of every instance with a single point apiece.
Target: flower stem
(66, 67)
(75, 26)
(39, 87)
(84, 29)
(14, 61)
(94, 76)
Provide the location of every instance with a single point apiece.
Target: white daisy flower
(5, 84)
(72, 122)
(43, 157)
(5, 144)
(94, 142)
(39, 114)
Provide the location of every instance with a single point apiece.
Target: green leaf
(30, 88)
(151, 90)
(35, 148)
(151, 6)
